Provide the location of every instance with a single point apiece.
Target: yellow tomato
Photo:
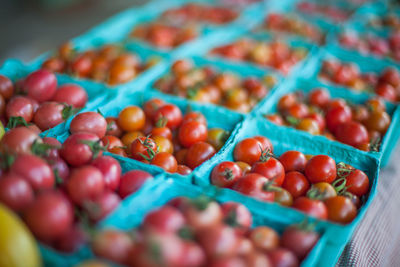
(17, 245)
(2, 131)
(163, 144)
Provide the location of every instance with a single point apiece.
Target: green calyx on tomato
(95, 146)
(17, 121)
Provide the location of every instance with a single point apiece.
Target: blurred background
(32, 27)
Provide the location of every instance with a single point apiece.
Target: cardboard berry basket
(15, 70)
(283, 139)
(216, 117)
(157, 193)
(390, 138)
(220, 66)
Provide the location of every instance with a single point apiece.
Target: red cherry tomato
(15, 192)
(192, 132)
(237, 216)
(150, 107)
(50, 114)
(89, 122)
(265, 143)
(299, 241)
(20, 106)
(76, 151)
(113, 245)
(319, 97)
(110, 169)
(85, 184)
(218, 241)
(248, 150)
(254, 185)
(202, 216)
(194, 116)
(296, 183)
(50, 216)
(166, 161)
(102, 205)
(271, 169)
(357, 183)
(143, 148)
(131, 181)
(170, 112)
(321, 168)
(164, 219)
(18, 140)
(283, 257)
(293, 161)
(35, 170)
(6, 87)
(225, 174)
(312, 207)
(71, 94)
(198, 153)
(183, 170)
(41, 85)
(337, 115)
(352, 133)
(340, 209)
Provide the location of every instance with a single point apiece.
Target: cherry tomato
(248, 150)
(120, 73)
(218, 240)
(150, 107)
(352, 133)
(164, 219)
(143, 148)
(15, 192)
(50, 216)
(202, 213)
(192, 132)
(162, 131)
(378, 121)
(166, 161)
(312, 207)
(172, 113)
(6, 87)
(357, 183)
(71, 94)
(225, 174)
(131, 118)
(40, 85)
(283, 257)
(286, 101)
(217, 137)
(298, 111)
(264, 238)
(72, 240)
(112, 245)
(20, 106)
(89, 122)
(237, 216)
(275, 118)
(271, 169)
(194, 116)
(131, 181)
(326, 190)
(102, 205)
(293, 161)
(265, 143)
(228, 262)
(299, 241)
(198, 153)
(183, 170)
(296, 184)
(113, 127)
(319, 97)
(80, 148)
(85, 184)
(193, 254)
(110, 169)
(283, 197)
(386, 91)
(340, 209)
(111, 142)
(337, 115)
(50, 114)
(34, 170)
(320, 168)
(163, 144)
(18, 140)
(254, 185)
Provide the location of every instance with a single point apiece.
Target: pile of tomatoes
(315, 185)
(158, 134)
(292, 24)
(37, 102)
(332, 12)
(201, 232)
(386, 84)
(110, 64)
(390, 20)
(372, 44)
(362, 126)
(207, 85)
(164, 35)
(61, 190)
(274, 54)
(199, 13)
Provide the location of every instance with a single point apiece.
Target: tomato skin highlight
(321, 168)
(89, 122)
